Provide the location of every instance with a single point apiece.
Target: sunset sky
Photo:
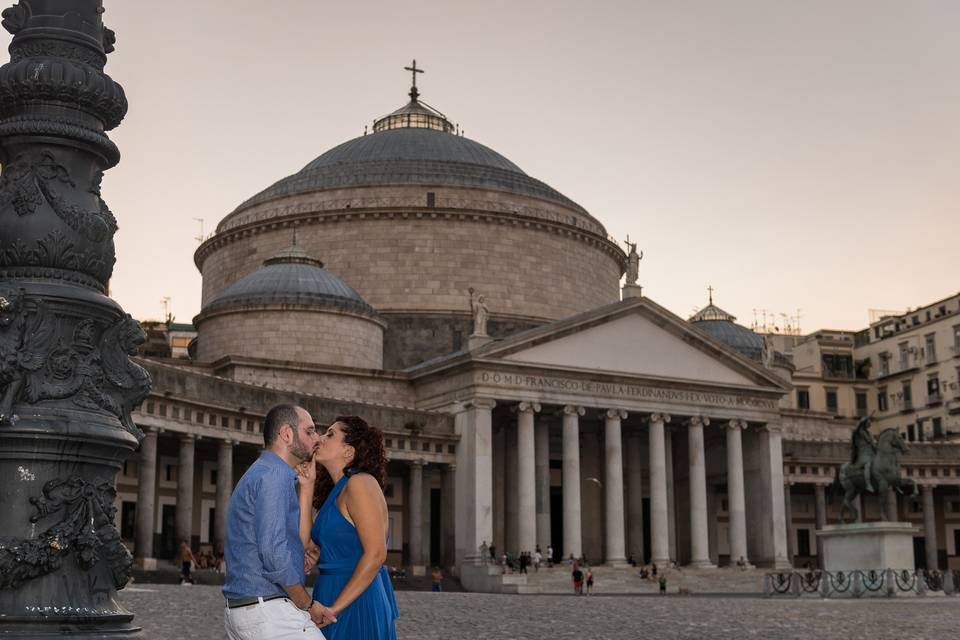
(790, 154)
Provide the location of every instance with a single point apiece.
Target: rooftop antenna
(414, 94)
(166, 308)
(199, 238)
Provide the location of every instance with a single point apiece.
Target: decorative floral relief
(85, 528)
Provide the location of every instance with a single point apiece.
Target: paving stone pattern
(172, 612)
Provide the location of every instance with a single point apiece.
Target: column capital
(525, 407)
(571, 409)
(452, 466)
(226, 442)
(699, 421)
(737, 423)
(479, 403)
(773, 427)
(187, 437)
(419, 462)
(660, 417)
(616, 414)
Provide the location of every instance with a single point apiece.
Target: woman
(345, 480)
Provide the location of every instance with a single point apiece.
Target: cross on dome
(414, 94)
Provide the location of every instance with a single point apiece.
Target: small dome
(722, 326)
(292, 277)
(734, 335)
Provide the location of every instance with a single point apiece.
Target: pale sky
(790, 154)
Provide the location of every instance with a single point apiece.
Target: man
(264, 555)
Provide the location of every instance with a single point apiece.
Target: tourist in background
(186, 562)
(589, 581)
(577, 576)
(345, 482)
(436, 580)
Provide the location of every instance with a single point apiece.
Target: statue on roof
(478, 307)
(633, 262)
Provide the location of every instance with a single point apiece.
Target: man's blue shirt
(263, 549)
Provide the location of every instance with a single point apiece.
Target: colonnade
(528, 485)
(147, 491)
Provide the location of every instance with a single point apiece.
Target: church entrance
(556, 522)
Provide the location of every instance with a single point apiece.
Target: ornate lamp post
(67, 385)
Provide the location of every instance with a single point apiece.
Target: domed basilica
(529, 399)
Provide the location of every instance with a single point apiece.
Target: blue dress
(371, 616)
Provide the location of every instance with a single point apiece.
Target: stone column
(820, 498)
(571, 481)
(224, 488)
(699, 536)
(613, 488)
(185, 489)
(773, 456)
(736, 502)
(659, 531)
(146, 500)
(671, 495)
(416, 517)
(542, 467)
(526, 477)
(788, 520)
(635, 497)
(474, 488)
(930, 526)
(893, 507)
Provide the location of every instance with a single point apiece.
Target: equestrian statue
(874, 467)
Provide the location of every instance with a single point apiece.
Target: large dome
(419, 156)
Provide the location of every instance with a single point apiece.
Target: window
(907, 396)
(904, 355)
(911, 433)
(930, 347)
(803, 398)
(837, 365)
(885, 363)
(431, 199)
(861, 403)
(933, 389)
(882, 399)
(938, 427)
(920, 438)
(956, 339)
(832, 401)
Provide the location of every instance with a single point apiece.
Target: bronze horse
(885, 474)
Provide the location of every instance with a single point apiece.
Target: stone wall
(284, 333)
(411, 339)
(305, 379)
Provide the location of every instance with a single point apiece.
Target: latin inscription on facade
(619, 390)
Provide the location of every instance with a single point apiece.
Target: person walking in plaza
(550, 556)
(345, 482)
(577, 576)
(264, 555)
(589, 581)
(663, 584)
(436, 580)
(187, 562)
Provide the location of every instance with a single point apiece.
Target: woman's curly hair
(370, 455)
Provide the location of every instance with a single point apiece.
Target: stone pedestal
(632, 291)
(868, 545)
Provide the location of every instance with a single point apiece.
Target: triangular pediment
(635, 337)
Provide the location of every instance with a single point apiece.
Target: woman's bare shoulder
(363, 483)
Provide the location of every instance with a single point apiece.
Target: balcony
(934, 398)
(955, 350)
(953, 406)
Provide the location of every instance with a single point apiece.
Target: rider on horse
(863, 450)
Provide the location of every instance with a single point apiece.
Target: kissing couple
(273, 540)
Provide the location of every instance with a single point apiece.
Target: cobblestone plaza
(170, 612)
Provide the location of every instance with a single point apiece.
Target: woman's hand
(311, 554)
(307, 472)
